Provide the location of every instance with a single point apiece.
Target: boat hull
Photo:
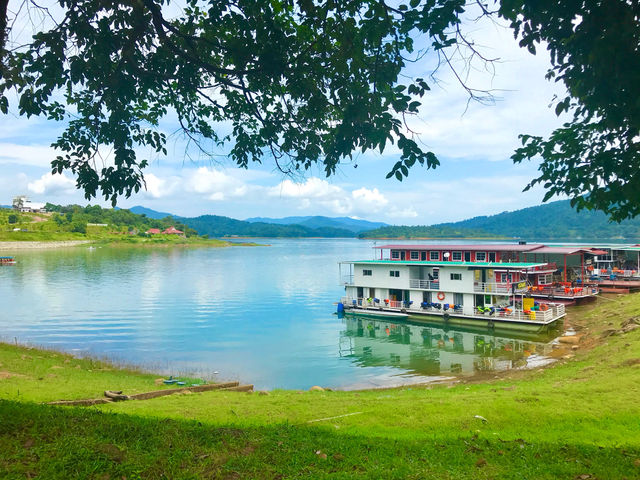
(482, 321)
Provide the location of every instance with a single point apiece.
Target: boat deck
(513, 319)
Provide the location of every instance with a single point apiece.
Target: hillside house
(24, 205)
(173, 231)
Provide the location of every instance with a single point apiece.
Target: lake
(261, 315)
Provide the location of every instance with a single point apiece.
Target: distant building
(153, 231)
(23, 204)
(172, 231)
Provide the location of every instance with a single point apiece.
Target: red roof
(153, 231)
(173, 231)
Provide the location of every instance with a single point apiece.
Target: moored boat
(457, 284)
(7, 261)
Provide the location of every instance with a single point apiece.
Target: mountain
(217, 226)
(352, 224)
(556, 220)
(150, 213)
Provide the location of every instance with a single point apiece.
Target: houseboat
(7, 261)
(456, 284)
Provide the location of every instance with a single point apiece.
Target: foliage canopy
(303, 82)
(307, 83)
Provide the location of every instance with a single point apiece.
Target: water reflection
(433, 350)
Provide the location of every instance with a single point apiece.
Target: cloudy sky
(473, 142)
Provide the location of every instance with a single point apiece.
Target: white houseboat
(458, 284)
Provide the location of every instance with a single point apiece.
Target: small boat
(7, 261)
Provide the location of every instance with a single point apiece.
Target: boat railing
(503, 288)
(563, 291)
(618, 273)
(552, 312)
(424, 284)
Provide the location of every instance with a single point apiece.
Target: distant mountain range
(347, 223)
(217, 226)
(555, 220)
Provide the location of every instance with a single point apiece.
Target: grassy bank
(576, 419)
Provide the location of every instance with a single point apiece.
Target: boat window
(436, 273)
(467, 256)
(423, 256)
(395, 254)
(366, 273)
(434, 255)
(456, 256)
(492, 256)
(545, 279)
(481, 256)
(456, 276)
(505, 277)
(415, 255)
(458, 298)
(394, 273)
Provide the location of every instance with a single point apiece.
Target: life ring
(440, 296)
(590, 268)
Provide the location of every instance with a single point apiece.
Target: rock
(567, 357)
(158, 381)
(571, 340)
(316, 388)
(575, 347)
(481, 462)
(608, 333)
(263, 392)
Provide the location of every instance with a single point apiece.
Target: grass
(576, 420)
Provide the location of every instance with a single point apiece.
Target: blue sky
(473, 142)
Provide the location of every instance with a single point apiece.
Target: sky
(473, 141)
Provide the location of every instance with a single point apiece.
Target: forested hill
(217, 226)
(556, 220)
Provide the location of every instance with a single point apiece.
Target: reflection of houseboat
(457, 284)
(7, 261)
(429, 349)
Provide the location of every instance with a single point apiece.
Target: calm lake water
(261, 315)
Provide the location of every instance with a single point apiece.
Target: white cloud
(216, 185)
(32, 155)
(312, 187)
(49, 184)
(318, 194)
(363, 196)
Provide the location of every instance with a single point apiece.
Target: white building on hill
(23, 204)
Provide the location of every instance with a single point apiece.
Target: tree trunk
(4, 4)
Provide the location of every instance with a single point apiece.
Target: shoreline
(33, 245)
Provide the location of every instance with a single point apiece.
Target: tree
(595, 158)
(302, 82)
(309, 83)
(13, 218)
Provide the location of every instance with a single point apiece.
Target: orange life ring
(590, 268)
(440, 296)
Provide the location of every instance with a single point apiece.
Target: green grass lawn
(579, 419)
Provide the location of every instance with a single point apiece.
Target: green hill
(217, 226)
(556, 220)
